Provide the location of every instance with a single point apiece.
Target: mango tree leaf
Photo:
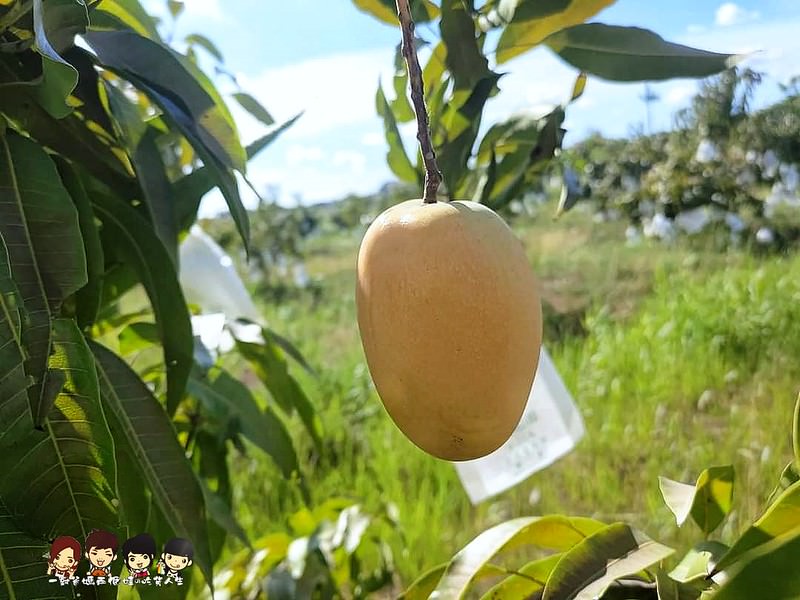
(62, 480)
(145, 155)
(669, 589)
(269, 363)
(698, 562)
(151, 439)
(176, 7)
(386, 10)
(222, 394)
(61, 18)
(789, 476)
(796, 432)
(708, 501)
(401, 106)
(423, 587)
(39, 224)
(15, 410)
(769, 571)
(23, 571)
(190, 189)
(221, 513)
(551, 532)
(464, 58)
(134, 241)
(88, 297)
(587, 570)
(534, 20)
(127, 13)
(254, 107)
(530, 580)
(396, 157)
(780, 518)
(633, 54)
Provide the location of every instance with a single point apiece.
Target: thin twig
(432, 175)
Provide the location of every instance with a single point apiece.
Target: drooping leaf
(780, 518)
(220, 512)
(396, 157)
(669, 589)
(464, 58)
(58, 20)
(633, 54)
(150, 437)
(62, 480)
(698, 562)
(778, 558)
(126, 13)
(401, 106)
(588, 569)
(176, 7)
(88, 297)
(23, 571)
(269, 363)
(254, 107)
(423, 587)
(386, 10)
(552, 532)
(39, 224)
(708, 501)
(133, 239)
(189, 190)
(535, 20)
(145, 155)
(226, 396)
(15, 411)
(530, 580)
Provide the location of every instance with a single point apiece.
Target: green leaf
(386, 10)
(780, 518)
(788, 477)
(23, 571)
(15, 410)
(586, 571)
(88, 297)
(669, 589)
(254, 107)
(40, 227)
(423, 587)
(464, 57)
(59, 20)
(140, 140)
(225, 396)
(148, 433)
(769, 571)
(195, 39)
(698, 562)
(551, 532)
(531, 579)
(796, 433)
(535, 20)
(270, 365)
(220, 512)
(62, 480)
(633, 54)
(401, 106)
(127, 13)
(176, 7)
(190, 189)
(134, 241)
(708, 501)
(396, 157)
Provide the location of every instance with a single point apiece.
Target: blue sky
(293, 55)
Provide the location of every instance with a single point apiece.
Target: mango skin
(450, 319)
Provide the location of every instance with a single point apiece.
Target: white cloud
(373, 138)
(355, 160)
(729, 14)
(679, 93)
(298, 154)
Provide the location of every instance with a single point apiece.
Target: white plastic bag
(550, 427)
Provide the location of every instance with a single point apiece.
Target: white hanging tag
(550, 427)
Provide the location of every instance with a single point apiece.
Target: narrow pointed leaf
(386, 10)
(62, 480)
(148, 433)
(586, 571)
(127, 13)
(533, 21)
(23, 571)
(396, 156)
(254, 107)
(464, 58)
(133, 240)
(552, 532)
(40, 227)
(633, 54)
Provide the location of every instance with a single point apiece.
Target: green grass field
(639, 334)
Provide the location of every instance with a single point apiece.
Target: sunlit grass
(679, 358)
